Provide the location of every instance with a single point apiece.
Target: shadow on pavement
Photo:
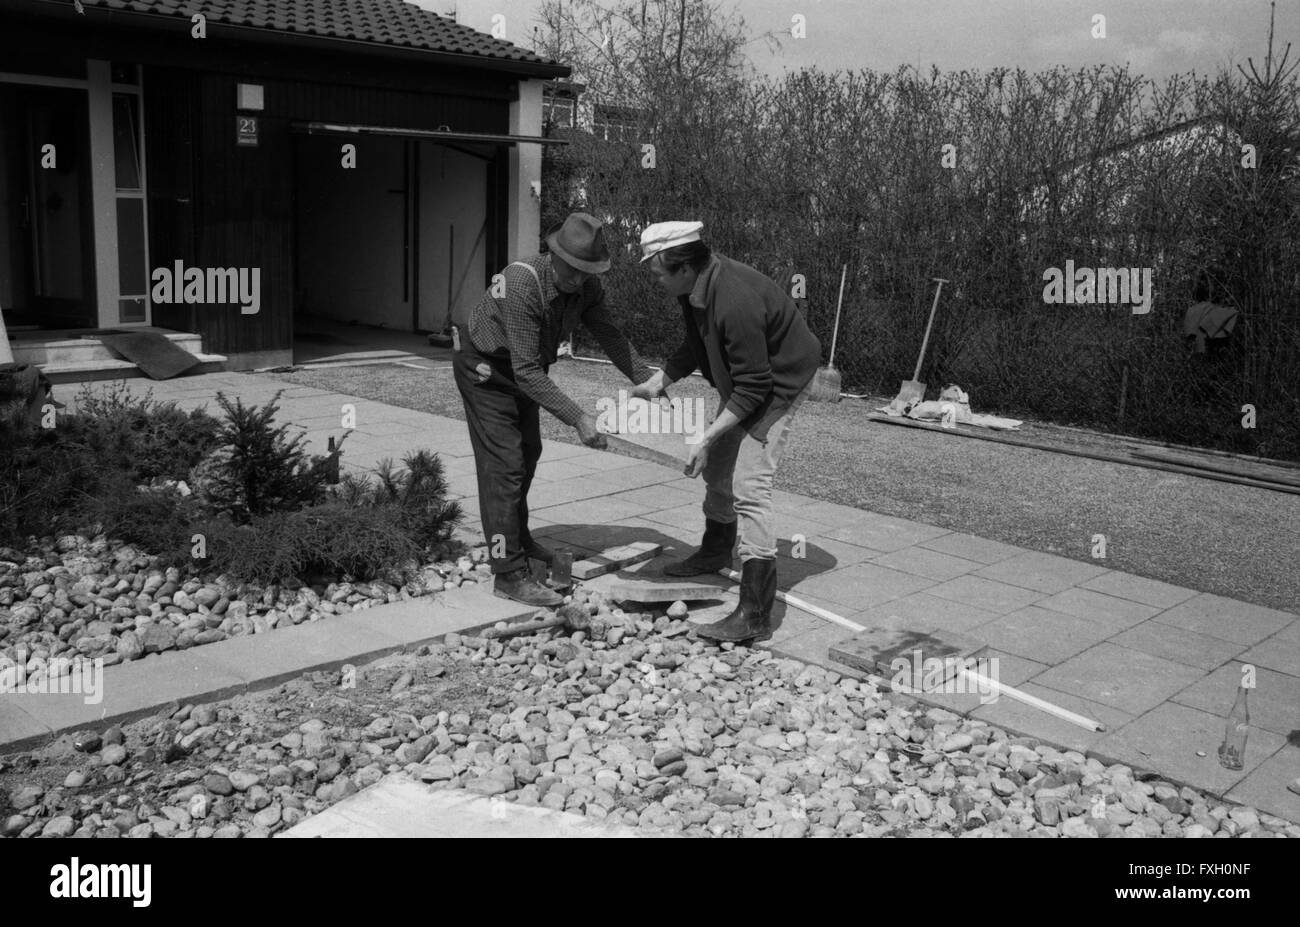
(584, 540)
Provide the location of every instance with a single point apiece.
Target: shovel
(913, 390)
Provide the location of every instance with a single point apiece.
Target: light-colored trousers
(738, 475)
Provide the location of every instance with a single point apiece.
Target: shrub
(43, 478)
(365, 528)
(418, 493)
(331, 539)
(136, 435)
(259, 469)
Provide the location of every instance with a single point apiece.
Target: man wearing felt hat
(748, 338)
(504, 349)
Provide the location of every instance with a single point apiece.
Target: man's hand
(696, 459)
(588, 434)
(650, 390)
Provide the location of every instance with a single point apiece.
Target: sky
(1156, 37)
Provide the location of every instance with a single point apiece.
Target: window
(615, 123)
(560, 113)
(132, 260)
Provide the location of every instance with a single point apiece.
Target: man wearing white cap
(748, 338)
(504, 349)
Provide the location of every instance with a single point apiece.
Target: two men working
(741, 330)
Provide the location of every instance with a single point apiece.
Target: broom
(826, 382)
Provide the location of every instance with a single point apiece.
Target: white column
(525, 171)
(6, 352)
(103, 191)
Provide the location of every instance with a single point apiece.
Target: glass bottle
(1232, 751)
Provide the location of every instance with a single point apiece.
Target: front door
(46, 220)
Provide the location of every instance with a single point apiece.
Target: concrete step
(118, 369)
(88, 348)
(86, 358)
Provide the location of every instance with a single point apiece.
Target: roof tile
(383, 22)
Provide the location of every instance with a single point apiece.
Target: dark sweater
(750, 341)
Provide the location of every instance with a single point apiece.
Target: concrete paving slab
(1000, 598)
(1168, 738)
(135, 690)
(425, 619)
(608, 460)
(821, 552)
(814, 646)
(1014, 670)
(828, 514)
(970, 547)
(264, 660)
(658, 498)
(681, 516)
(591, 511)
(1130, 680)
(1266, 787)
(1041, 572)
(398, 806)
(885, 533)
(862, 585)
(1279, 652)
(1274, 703)
(1178, 644)
(1039, 634)
(556, 471)
(931, 564)
(925, 608)
(1227, 619)
(1028, 721)
(18, 729)
(545, 495)
(1104, 611)
(382, 429)
(558, 450)
(596, 538)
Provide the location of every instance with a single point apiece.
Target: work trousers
(738, 473)
(505, 432)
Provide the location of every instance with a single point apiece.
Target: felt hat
(580, 243)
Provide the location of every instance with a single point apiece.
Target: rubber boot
(535, 551)
(714, 552)
(752, 619)
(521, 587)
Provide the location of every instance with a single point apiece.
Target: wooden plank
(875, 650)
(1247, 471)
(641, 590)
(615, 558)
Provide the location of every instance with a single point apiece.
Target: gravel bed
(634, 723)
(98, 599)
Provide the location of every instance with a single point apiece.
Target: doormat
(152, 352)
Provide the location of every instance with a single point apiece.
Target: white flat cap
(664, 235)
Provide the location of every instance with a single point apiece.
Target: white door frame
(103, 180)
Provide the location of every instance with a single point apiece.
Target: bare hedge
(1099, 167)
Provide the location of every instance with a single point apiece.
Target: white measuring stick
(1056, 710)
(1063, 713)
(802, 605)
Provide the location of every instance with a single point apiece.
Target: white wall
(453, 236)
(525, 169)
